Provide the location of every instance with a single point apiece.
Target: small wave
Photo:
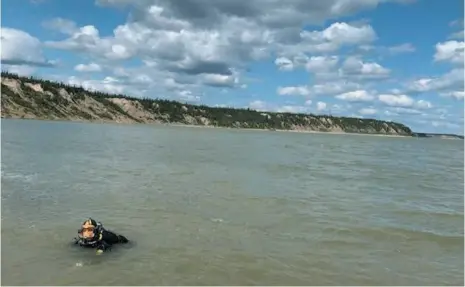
(410, 235)
(217, 220)
(18, 176)
(437, 214)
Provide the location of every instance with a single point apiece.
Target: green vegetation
(60, 101)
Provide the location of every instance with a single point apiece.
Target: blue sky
(399, 60)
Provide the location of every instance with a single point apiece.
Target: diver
(92, 234)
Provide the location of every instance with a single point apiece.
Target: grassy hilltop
(32, 98)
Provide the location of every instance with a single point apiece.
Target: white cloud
(87, 39)
(396, 91)
(321, 89)
(306, 108)
(108, 84)
(293, 91)
(444, 124)
(320, 66)
(457, 23)
(64, 26)
(396, 100)
(188, 96)
(355, 67)
(284, 64)
(452, 80)
(402, 48)
(403, 101)
(459, 95)
(321, 106)
(450, 51)
(404, 111)
(356, 96)
(321, 63)
(91, 67)
(334, 37)
(267, 107)
(191, 38)
(20, 70)
(339, 109)
(217, 80)
(292, 109)
(334, 87)
(422, 104)
(20, 48)
(458, 34)
(258, 105)
(367, 111)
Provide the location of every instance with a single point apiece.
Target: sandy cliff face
(32, 100)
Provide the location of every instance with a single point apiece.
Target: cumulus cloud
(402, 48)
(260, 105)
(293, 91)
(458, 34)
(368, 111)
(62, 25)
(292, 109)
(321, 64)
(108, 84)
(219, 38)
(334, 87)
(218, 80)
(328, 88)
(269, 13)
(355, 67)
(453, 80)
(20, 70)
(396, 100)
(91, 67)
(356, 96)
(450, 51)
(381, 50)
(321, 106)
(188, 96)
(331, 39)
(86, 39)
(284, 64)
(403, 101)
(20, 48)
(403, 111)
(459, 95)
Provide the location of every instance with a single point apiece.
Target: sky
(395, 60)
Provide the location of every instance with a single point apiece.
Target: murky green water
(229, 207)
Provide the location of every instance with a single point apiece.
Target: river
(205, 206)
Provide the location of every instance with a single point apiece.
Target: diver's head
(88, 229)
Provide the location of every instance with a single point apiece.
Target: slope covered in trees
(24, 97)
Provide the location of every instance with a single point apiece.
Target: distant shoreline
(30, 98)
(214, 127)
(290, 131)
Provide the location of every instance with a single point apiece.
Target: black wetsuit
(102, 240)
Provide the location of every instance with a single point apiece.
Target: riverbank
(29, 98)
(210, 127)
